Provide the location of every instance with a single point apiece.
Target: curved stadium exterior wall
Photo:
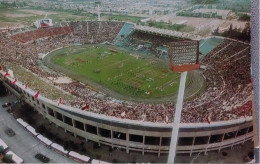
(133, 135)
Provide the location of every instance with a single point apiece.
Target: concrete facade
(132, 135)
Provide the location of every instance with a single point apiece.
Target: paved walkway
(23, 143)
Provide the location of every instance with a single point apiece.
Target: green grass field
(9, 16)
(118, 71)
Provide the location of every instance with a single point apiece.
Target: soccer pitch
(117, 70)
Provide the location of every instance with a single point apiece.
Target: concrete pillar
(222, 138)
(160, 144)
(143, 145)
(47, 111)
(236, 134)
(111, 137)
(233, 141)
(85, 127)
(98, 135)
(55, 114)
(246, 135)
(193, 141)
(73, 124)
(63, 118)
(127, 141)
(63, 122)
(205, 152)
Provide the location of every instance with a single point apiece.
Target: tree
(151, 23)
(243, 35)
(230, 28)
(244, 17)
(66, 145)
(216, 31)
(41, 129)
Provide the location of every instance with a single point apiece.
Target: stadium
(117, 89)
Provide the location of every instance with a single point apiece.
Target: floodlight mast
(177, 118)
(174, 48)
(98, 11)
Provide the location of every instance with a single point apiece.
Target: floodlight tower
(184, 57)
(98, 3)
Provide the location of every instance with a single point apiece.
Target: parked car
(9, 132)
(5, 105)
(42, 158)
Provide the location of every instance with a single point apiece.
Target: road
(24, 144)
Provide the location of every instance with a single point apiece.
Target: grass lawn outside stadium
(116, 70)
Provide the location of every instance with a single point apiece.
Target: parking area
(23, 143)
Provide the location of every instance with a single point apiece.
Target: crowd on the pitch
(227, 72)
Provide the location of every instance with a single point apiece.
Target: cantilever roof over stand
(183, 57)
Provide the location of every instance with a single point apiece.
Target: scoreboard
(43, 23)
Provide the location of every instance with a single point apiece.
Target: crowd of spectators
(95, 31)
(227, 72)
(33, 35)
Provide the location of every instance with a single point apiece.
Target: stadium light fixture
(183, 57)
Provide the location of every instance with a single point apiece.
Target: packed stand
(228, 94)
(33, 35)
